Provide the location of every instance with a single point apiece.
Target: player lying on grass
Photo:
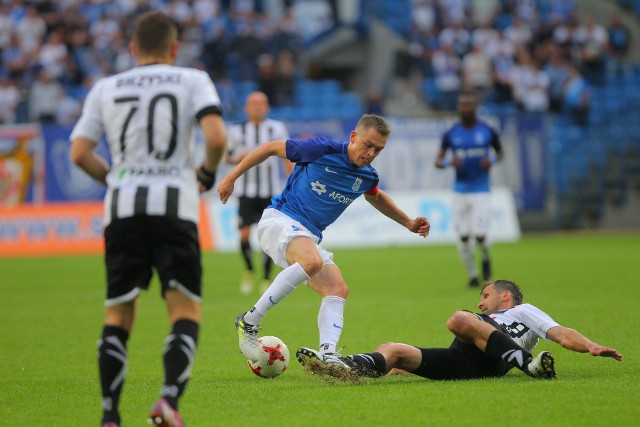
(485, 345)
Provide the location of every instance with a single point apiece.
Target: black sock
(368, 364)
(179, 353)
(500, 345)
(245, 249)
(112, 365)
(267, 263)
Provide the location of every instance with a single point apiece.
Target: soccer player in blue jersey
(475, 148)
(327, 178)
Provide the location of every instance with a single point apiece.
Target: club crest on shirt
(356, 184)
(318, 187)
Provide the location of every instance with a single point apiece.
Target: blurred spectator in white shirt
(6, 26)
(31, 30)
(104, 31)
(446, 72)
(484, 10)
(9, 99)
(53, 55)
(45, 95)
(476, 72)
(424, 14)
(519, 33)
(179, 10)
(454, 11)
(205, 10)
(457, 37)
(485, 36)
(530, 84)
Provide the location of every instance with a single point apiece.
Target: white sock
(284, 283)
(466, 250)
(330, 321)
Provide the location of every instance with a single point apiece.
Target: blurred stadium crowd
(533, 55)
(52, 51)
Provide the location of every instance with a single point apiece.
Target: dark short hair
(153, 33)
(507, 285)
(376, 122)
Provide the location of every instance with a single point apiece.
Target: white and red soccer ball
(273, 357)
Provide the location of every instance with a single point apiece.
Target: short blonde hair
(376, 122)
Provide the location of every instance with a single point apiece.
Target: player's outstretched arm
(255, 157)
(575, 341)
(383, 203)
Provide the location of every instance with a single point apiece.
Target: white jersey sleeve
(204, 94)
(525, 323)
(90, 125)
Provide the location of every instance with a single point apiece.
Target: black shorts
(136, 246)
(250, 210)
(461, 361)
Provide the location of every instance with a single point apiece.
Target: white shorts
(472, 213)
(276, 230)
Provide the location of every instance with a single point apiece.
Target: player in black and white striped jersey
(256, 187)
(152, 203)
(486, 345)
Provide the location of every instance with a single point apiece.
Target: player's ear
(353, 135)
(174, 50)
(133, 49)
(506, 296)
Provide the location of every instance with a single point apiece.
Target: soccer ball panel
(273, 357)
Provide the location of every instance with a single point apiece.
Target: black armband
(206, 177)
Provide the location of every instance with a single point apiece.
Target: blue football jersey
(471, 145)
(323, 183)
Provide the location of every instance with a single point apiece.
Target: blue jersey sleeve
(446, 142)
(311, 149)
(495, 141)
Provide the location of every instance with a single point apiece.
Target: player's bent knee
(458, 322)
(341, 290)
(311, 265)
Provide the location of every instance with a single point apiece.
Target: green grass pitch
(51, 316)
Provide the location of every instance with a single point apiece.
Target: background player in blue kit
(328, 176)
(471, 142)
